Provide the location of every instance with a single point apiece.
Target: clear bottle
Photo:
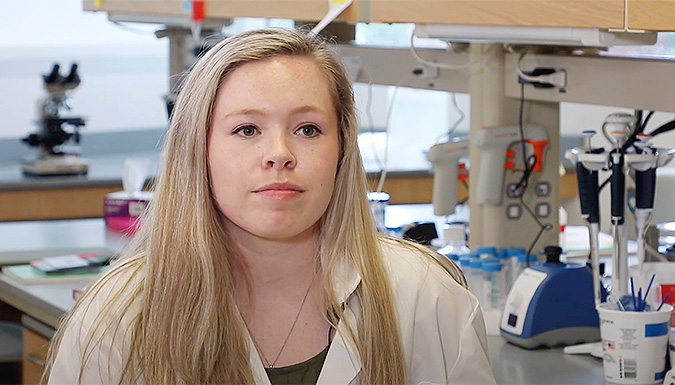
(378, 202)
(494, 287)
(513, 254)
(503, 257)
(475, 278)
(454, 237)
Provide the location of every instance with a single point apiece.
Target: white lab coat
(442, 331)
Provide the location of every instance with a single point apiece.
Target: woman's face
(273, 148)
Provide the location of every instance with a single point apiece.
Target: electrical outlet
(542, 77)
(424, 71)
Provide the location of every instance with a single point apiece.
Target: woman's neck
(277, 263)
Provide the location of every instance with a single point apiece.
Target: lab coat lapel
(342, 364)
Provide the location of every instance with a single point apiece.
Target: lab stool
(11, 349)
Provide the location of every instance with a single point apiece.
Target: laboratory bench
(63, 197)
(42, 305)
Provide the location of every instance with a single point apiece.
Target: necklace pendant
(271, 366)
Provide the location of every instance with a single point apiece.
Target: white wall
(124, 71)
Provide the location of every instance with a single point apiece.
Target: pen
(664, 301)
(649, 287)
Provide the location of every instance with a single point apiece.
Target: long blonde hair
(179, 268)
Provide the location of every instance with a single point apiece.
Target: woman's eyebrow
(294, 111)
(309, 108)
(245, 111)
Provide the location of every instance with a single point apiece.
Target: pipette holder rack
(642, 158)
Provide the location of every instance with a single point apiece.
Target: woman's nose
(279, 154)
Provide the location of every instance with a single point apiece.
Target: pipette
(622, 126)
(618, 200)
(645, 186)
(587, 181)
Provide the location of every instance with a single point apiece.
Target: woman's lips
(280, 191)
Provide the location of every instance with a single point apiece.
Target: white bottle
(454, 238)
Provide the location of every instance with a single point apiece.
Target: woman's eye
(309, 130)
(246, 131)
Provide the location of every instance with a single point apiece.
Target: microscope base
(55, 165)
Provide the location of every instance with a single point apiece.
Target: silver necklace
(267, 362)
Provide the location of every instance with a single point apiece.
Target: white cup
(671, 347)
(634, 344)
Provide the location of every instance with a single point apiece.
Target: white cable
(461, 113)
(369, 115)
(456, 124)
(132, 29)
(383, 175)
(435, 64)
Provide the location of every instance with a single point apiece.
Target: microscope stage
(55, 165)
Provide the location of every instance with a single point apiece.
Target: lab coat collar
(345, 280)
(342, 364)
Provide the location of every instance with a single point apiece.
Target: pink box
(122, 210)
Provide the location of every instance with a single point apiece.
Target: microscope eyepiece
(53, 76)
(73, 77)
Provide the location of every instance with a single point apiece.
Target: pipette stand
(619, 160)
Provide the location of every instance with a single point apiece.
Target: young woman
(258, 261)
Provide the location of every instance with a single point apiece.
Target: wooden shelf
(541, 13)
(656, 15)
(305, 10)
(154, 7)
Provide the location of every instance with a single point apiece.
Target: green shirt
(305, 373)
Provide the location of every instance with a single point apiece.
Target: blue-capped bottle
(486, 251)
(494, 284)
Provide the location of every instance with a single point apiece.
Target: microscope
(53, 158)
